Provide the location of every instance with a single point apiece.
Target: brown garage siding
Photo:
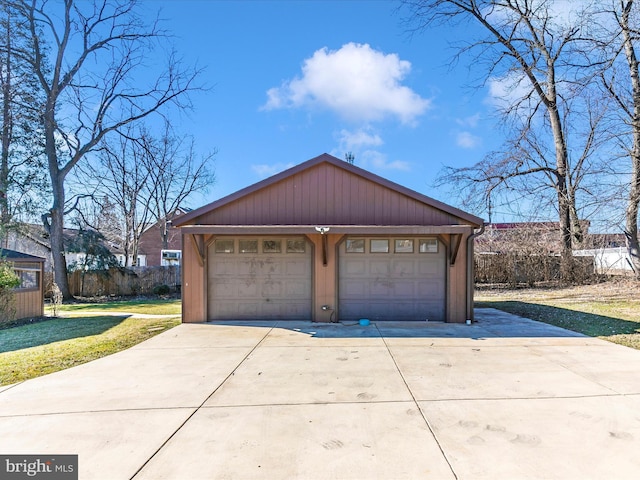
(193, 283)
(348, 200)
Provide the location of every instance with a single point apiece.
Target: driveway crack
(198, 408)
(415, 401)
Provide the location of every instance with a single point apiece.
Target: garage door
(259, 278)
(392, 279)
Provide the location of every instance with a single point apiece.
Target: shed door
(259, 278)
(392, 279)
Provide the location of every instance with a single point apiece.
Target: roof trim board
(338, 229)
(13, 255)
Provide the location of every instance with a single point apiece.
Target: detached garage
(327, 241)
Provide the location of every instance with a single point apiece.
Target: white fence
(608, 261)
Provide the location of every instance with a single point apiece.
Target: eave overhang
(330, 229)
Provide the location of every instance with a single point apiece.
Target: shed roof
(206, 215)
(15, 256)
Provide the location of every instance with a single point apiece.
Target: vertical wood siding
(326, 194)
(29, 303)
(325, 278)
(456, 296)
(194, 288)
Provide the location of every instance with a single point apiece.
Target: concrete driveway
(505, 398)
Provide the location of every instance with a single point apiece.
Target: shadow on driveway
(590, 324)
(488, 323)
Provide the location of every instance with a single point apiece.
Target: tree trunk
(564, 202)
(7, 123)
(631, 214)
(56, 237)
(165, 234)
(56, 213)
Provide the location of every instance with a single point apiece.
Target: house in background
(327, 241)
(33, 239)
(151, 241)
(29, 295)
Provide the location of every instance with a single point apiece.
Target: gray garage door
(259, 278)
(392, 279)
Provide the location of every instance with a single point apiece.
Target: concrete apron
(504, 398)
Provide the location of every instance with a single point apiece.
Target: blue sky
(293, 79)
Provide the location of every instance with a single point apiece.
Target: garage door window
(355, 246)
(248, 246)
(271, 246)
(404, 246)
(379, 246)
(296, 246)
(224, 246)
(429, 245)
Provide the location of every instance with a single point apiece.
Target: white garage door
(392, 279)
(259, 278)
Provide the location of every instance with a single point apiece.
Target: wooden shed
(327, 241)
(29, 295)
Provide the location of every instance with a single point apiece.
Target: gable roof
(205, 212)
(170, 218)
(39, 235)
(15, 256)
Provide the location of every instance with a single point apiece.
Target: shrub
(56, 299)
(161, 290)
(8, 281)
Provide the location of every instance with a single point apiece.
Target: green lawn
(147, 307)
(32, 350)
(610, 312)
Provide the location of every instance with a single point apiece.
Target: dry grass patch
(609, 310)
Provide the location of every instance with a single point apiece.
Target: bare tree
(147, 177)
(523, 171)
(175, 172)
(95, 83)
(527, 46)
(21, 153)
(121, 174)
(621, 79)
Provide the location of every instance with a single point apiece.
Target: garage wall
(193, 283)
(325, 278)
(456, 297)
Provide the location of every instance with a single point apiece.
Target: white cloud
(508, 90)
(264, 170)
(356, 82)
(360, 138)
(378, 161)
(467, 140)
(470, 121)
